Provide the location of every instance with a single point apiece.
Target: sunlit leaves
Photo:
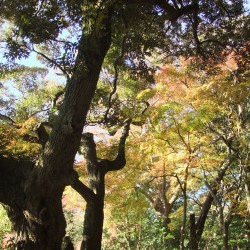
(5, 226)
(26, 100)
(19, 143)
(193, 119)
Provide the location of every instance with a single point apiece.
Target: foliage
(144, 233)
(29, 98)
(5, 225)
(190, 117)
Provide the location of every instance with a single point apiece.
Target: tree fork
(94, 195)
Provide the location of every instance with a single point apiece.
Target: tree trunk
(193, 237)
(37, 195)
(184, 193)
(93, 225)
(225, 236)
(208, 202)
(97, 169)
(246, 170)
(183, 227)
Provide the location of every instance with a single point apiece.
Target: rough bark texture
(34, 193)
(38, 193)
(13, 176)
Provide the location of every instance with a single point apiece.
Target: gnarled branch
(87, 194)
(120, 160)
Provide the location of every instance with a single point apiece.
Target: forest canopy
(133, 131)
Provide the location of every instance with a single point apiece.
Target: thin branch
(179, 181)
(228, 142)
(147, 106)
(147, 195)
(228, 11)
(159, 176)
(183, 140)
(37, 112)
(168, 142)
(7, 119)
(213, 41)
(172, 13)
(218, 203)
(115, 64)
(52, 62)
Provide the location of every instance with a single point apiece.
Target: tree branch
(52, 62)
(57, 95)
(172, 13)
(7, 119)
(208, 202)
(42, 133)
(195, 24)
(89, 148)
(115, 64)
(120, 160)
(87, 194)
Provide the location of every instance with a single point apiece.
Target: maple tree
(194, 132)
(186, 166)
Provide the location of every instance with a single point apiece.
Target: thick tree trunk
(13, 177)
(184, 220)
(225, 236)
(38, 194)
(30, 220)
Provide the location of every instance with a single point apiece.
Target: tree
(194, 129)
(32, 191)
(97, 169)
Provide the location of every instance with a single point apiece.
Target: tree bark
(97, 169)
(36, 195)
(39, 193)
(193, 236)
(208, 202)
(93, 225)
(247, 187)
(184, 220)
